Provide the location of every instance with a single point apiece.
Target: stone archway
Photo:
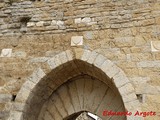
(40, 86)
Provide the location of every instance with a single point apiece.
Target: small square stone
(155, 46)
(6, 53)
(76, 40)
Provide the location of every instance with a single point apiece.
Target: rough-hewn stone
(37, 34)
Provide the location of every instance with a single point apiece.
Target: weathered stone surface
(6, 53)
(16, 115)
(149, 64)
(5, 98)
(78, 20)
(76, 40)
(88, 35)
(155, 46)
(38, 35)
(40, 24)
(30, 24)
(37, 75)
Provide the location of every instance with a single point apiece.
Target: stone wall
(121, 30)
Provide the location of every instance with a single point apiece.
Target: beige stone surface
(118, 41)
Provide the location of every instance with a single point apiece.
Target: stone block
(51, 63)
(99, 60)
(40, 24)
(127, 88)
(155, 46)
(120, 79)
(132, 106)
(124, 41)
(112, 71)
(18, 106)
(54, 22)
(39, 59)
(106, 65)
(57, 60)
(69, 55)
(63, 57)
(78, 52)
(139, 80)
(86, 20)
(15, 115)
(20, 54)
(6, 53)
(30, 24)
(77, 20)
(29, 85)
(86, 55)
(129, 97)
(23, 95)
(149, 64)
(1, 5)
(92, 57)
(88, 35)
(76, 40)
(60, 23)
(37, 75)
(5, 98)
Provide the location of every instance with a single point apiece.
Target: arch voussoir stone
(129, 97)
(106, 65)
(37, 75)
(59, 59)
(86, 55)
(99, 60)
(127, 88)
(92, 57)
(15, 115)
(29, 85)
(63, 57)
(120, 79)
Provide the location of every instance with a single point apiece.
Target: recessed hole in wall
(25, 19)
(141, 97)
(13, 97)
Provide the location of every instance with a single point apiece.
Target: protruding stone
(76, 40)
(6, 53)
(155, 46)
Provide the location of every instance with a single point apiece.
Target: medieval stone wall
(124, 31)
